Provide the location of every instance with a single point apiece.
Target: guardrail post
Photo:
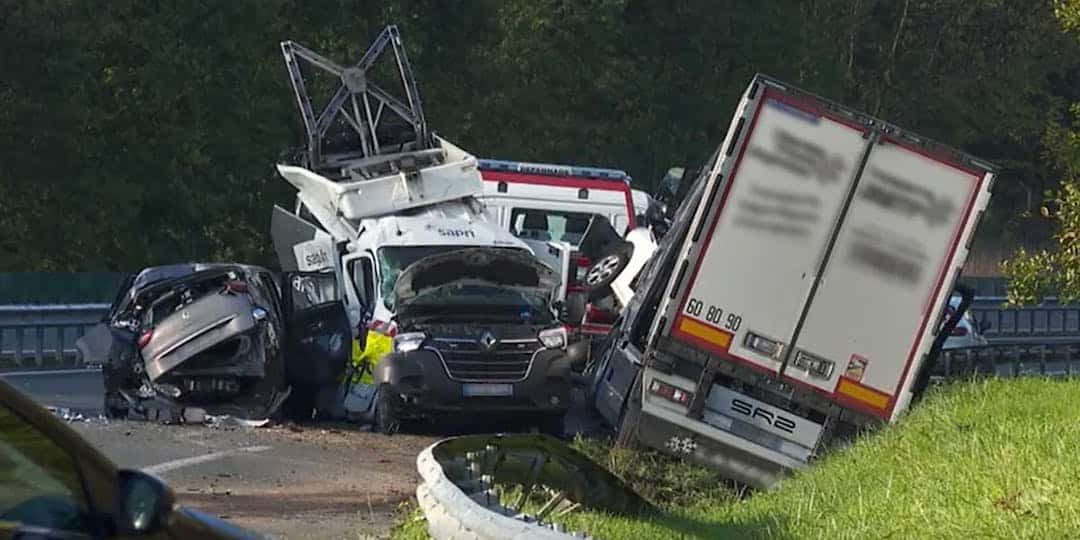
(1042, 359)
(19, 346)
(58, 353)
(39, 347)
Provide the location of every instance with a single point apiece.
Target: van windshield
(483, 302)
(394, 259)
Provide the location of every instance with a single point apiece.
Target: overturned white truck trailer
(805, 295)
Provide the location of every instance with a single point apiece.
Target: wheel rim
(602, 270)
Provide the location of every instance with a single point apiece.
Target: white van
(550, 207)
(368, 231)
(544, 202)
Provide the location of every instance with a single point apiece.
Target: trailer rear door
(825, 250)
(896, 256)
(779, 202)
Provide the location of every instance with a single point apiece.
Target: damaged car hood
(502, 267)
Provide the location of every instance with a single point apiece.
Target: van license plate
(487, 390)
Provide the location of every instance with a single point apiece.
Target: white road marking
(167, 466)
(34, 372)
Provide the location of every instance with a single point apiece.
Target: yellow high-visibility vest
(364, 360)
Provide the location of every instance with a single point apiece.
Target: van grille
(466, 361)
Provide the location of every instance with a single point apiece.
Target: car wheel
(602, 273)
(387, 411)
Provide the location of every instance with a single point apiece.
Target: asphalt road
(75, 389)
(321, 481)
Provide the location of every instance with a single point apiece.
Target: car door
(319, 335)
(106, 343)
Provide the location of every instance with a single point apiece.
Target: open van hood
(505, 267)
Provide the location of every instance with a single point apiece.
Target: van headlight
(408, 342)
(553, 338)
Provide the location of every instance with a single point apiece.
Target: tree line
(136, 133)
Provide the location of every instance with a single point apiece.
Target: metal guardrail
(1010, 360)
(1046, 323)
(43, 336)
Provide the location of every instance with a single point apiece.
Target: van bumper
(425, 387)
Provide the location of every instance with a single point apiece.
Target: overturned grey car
(478, 333)
(183, 341)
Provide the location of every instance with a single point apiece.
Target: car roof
(154, 274)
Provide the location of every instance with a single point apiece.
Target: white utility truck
(376, 191)
(806, 293)
(391, 214)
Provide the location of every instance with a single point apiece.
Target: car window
(549, 225)
(39, 480)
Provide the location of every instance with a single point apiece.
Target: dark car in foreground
(55, 485)
(478, 333)
(187, 340)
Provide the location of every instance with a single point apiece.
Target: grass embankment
(988, 459)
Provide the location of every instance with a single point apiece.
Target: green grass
(987, 459)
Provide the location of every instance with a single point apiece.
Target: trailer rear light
(959, 330)
(670, 392)
(144, 337)
(815, 366)
(763, 345)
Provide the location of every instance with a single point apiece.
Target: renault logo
(488, 341)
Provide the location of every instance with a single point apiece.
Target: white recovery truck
(800, 293)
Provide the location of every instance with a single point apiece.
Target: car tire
(601, 274)
(387, 411)
(628, 420)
